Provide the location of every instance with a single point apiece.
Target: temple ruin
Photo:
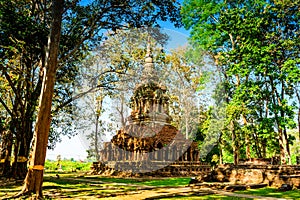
(149, 142)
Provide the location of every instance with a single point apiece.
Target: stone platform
(153, 168)
(273, 175)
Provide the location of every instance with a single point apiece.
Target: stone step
(290, 172)
(290, 176)
(229, 186)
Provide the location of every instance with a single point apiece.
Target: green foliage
(255, 46)
(24, 54)
(67, 165)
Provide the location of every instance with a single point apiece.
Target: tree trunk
(23, 155)
(16, 150)
(220, 150)
(264, 148)
(299, 122)
(234, 145)
(247, 139)
(186, 127)
(298, 97)
(276, 98)
(34, 178)
(282, 147)
(19, 168)
(5, 154)
(287, 147)
(97, 154)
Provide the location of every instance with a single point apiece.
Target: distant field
(67, 165)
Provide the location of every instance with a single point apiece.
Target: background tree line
(255, 47)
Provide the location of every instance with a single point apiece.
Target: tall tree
(256, 47)
(34, 178)
(24, 35)
(184, 79)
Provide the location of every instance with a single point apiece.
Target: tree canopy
(255, 46)
(24, 50)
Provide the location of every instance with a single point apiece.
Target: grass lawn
(266, 192)
(77, 186)
(207, 197)
(162, 182)
(272, 192)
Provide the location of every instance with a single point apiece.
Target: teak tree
(34, 178)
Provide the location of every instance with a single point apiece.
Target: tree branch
(6, 107)
(81, 95)
(11, 83)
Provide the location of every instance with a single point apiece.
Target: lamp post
(98, 108)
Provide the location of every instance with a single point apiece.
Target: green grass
(73, 185)
(114, 180)
(67, 165)
(9, 190)
(164, 182)
(272, 192)
(207, 197)
(168, 182)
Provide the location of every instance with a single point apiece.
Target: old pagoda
(149, 142)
